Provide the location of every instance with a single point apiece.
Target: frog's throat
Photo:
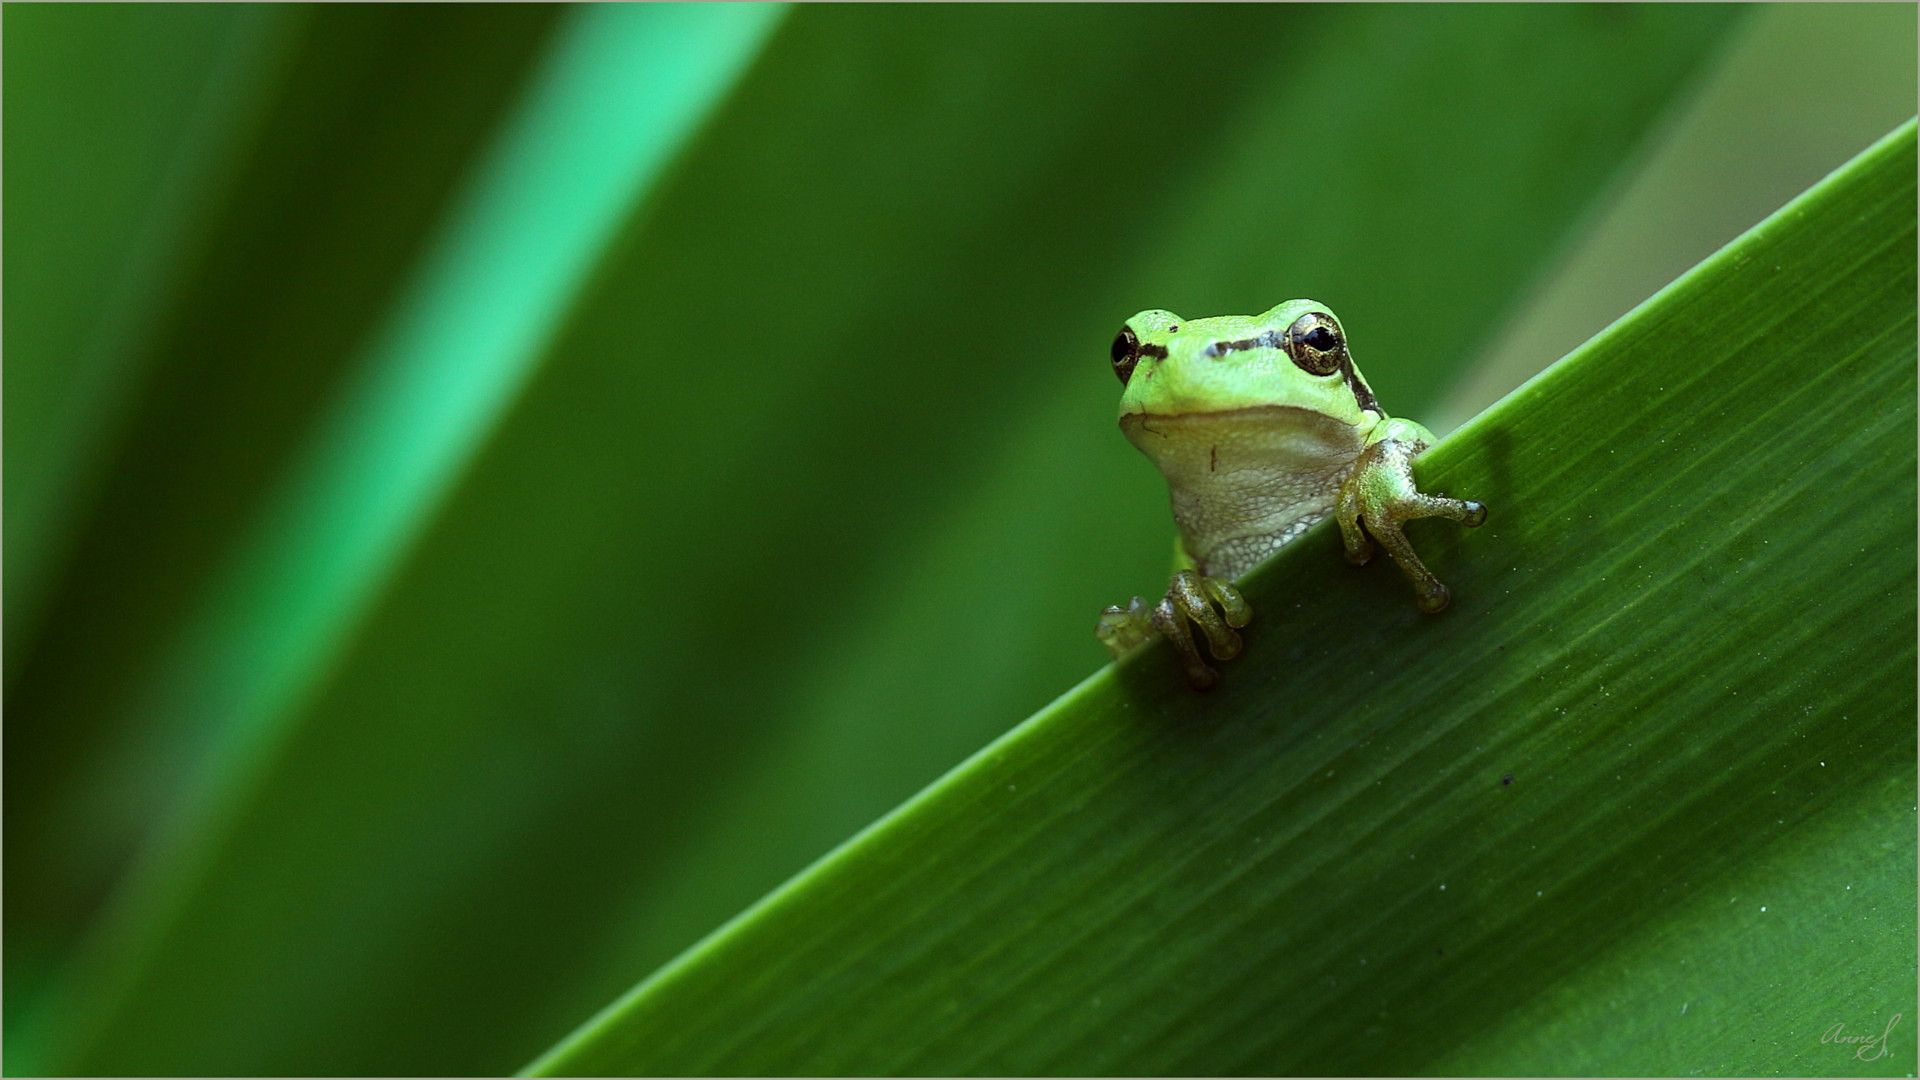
(1246, 481)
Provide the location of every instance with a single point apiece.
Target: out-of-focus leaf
(753, 497)
(123, 126)
(369, 120)
(617, 97)
(1647, 785)
(1795, 94)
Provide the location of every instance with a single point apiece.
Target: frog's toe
(1353, 533)
(1233, 606)
(1465, 511)
(1123, 629)
(1358, 545)
(1195, 596)
(1172, 625)
(1210, 603)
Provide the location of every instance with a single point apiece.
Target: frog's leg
(1212, 603)
(1379, 496)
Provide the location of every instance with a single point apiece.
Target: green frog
(1263, 427)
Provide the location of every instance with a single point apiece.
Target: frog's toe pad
(1123, 629)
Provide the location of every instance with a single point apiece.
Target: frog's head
(1294, 355)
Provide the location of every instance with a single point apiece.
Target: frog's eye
(1314, 343)
(1126, 353)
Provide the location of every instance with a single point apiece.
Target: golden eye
(1126, 353)
(1314, 343)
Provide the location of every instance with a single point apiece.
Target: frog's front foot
(1380, 496)
(1211, 603)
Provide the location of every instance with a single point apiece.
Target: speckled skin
(1263, 427)
(1245, 483)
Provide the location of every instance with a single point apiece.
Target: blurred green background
(491, 491)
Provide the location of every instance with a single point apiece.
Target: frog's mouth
(1254, 417)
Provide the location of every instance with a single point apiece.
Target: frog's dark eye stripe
(1269, 340)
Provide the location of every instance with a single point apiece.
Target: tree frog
(1262, 426)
